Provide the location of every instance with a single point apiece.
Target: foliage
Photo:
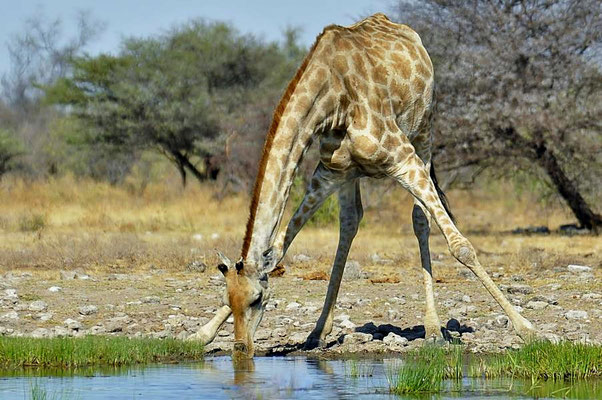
(519, 86)
(10, 149)
(326, 215)
(175, 93)
(93, 350)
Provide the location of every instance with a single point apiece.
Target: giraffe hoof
(314, 342)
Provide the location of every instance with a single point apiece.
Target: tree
(518, 86)
(10, 149)
(177, 93)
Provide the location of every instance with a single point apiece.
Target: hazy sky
(265, 18)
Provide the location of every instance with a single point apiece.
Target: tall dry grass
(69, 223)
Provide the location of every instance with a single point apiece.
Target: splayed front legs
(207, 333)
(350, 215)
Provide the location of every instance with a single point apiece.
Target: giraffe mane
(269, 140)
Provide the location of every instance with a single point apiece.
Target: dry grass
(70, 223)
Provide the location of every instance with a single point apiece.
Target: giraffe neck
(300, 114)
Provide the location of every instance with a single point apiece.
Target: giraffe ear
(223, 259)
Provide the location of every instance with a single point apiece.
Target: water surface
(264, 378)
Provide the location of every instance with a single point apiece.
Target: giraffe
(365, 92)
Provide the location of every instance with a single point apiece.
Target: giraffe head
(246, 294)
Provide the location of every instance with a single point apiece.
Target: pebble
(301, 258)
(357, 338)
(72, 324)
(591, 296)
(37, 305)
(44, 316)
(578, 268)
(88, 310)
(520, 289)
(293, 306)
(54, 289)
(466, 298)
(346, 324)
(9, 315)
(536, 305)
(41, 333)
(576, 314)
(151, 300)
(393, 339)
(352, 271)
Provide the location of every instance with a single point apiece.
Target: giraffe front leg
(350, 215)
(432, 323)
(413, 175)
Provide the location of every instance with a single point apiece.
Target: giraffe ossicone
(365, 92)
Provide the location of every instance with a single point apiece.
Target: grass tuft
(546, 360)
(93, 350)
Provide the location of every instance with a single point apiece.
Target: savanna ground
(139, 261)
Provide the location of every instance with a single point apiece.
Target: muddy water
(265, 378)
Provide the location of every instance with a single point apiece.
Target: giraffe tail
(442, 195)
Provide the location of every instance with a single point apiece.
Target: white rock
(44, 316)
(54, 289)
(215, 236)
(197, 236)
(591, 296)
(536, 305)
(300, 258)
(346, 324)
(88, 310)
(293, 306)
(393, 339)
(40, 333)
(576, 314)
(578, 268)
(341, 317)
(72, 324)
(466, 298)
(357, 338)
(37, 305)
(10, 315)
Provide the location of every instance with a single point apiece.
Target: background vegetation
(519, 90)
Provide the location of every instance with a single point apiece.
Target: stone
(502, 321)
(263, 334)
(67, 275)
(41, 333)
(97, 330)
(72, 324)
(591, 296)
(393, 339)
(37, 305)
(197, 236)
(54, 289)
(11, 295)
(466, 298)
(576, 314)
(61, 331)
(151, 300)
(197, 266)
(352, 271)
(346, 324)
(297, 337)
(301, 258)
(357, 338)
(9, 315)
(293, 306)
(88, 310)
(376, 259)
(520, 289)
(536, 305)
(578, 268)
(117, 324)
(44, 316)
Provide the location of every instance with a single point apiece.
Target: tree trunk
(184, 163)
(569, 192)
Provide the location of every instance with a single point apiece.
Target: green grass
(545, 360)
(426, 369)
(93, 350)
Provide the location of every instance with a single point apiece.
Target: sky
(142, 18)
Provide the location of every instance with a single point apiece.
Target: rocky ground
(380, 306)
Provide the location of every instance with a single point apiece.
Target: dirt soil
(379, 309)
